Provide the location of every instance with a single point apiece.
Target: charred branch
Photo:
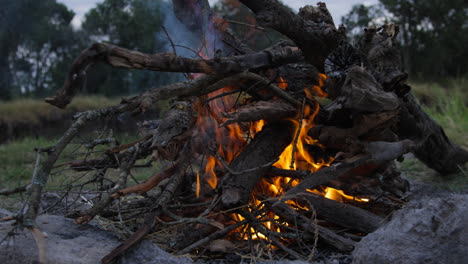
(265, 148)
(343, 214)
(312, 29)
(266, 110)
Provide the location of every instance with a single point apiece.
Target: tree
(133, 24)
(34, 37)
(360, 17)
(434, 33)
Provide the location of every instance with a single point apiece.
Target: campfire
(270, 154)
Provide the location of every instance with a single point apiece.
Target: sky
(337, 8)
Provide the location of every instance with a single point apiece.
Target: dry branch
(261, 110)
(286, 212)
(124, 58)
(312, 30)
(343, 214)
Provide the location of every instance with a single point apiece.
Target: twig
(245, 24)
(41, 175)
(225, 165)
(213, 236)
(107, 198)
(296, 137)
(41, 244)
(20, 189)
(253, 221)
(163, 200)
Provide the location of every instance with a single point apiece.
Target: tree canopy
(434, 33)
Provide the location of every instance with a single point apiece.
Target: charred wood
(343, 214)
(264, 148)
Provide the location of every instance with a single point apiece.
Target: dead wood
(266, 110)
(331, 238)
(173, 130)
(16, 190)
(361, 93)
(155, 210)
(264, 148)
(124, 58)
(343, 214)
(149, 184)
(40, 239)
(125, 166)
(432, 145)
(41, 175)
(312, 29)
(216, 235)
(363, 125)
(326, 174)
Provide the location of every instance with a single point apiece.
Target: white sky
(337, 8)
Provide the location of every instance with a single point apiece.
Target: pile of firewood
(277, 151)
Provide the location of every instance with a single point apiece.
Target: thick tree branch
(312, 29)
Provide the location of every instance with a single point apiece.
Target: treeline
(38, 44)
(433, 33)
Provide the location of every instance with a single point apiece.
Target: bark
(167, 61)
(265, 148)
(331, 238)
(266, 110)
(433, 147)
(363, 125)
(312, 29)
(343, 214)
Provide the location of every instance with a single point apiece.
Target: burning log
(265, 148)
(342, 214)
(262, 110)
(254, 135)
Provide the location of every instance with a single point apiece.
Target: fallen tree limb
(266, 110)
(124, 58)
(312, 29)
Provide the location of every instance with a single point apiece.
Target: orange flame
(282, 83)
(212, 179)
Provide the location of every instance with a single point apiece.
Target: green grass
(33, 111)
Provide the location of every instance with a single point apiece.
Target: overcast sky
(337, 8)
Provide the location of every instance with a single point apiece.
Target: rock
(429, 230)
(71, 243)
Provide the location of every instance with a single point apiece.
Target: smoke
(188, 43)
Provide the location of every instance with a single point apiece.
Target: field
(445, 103)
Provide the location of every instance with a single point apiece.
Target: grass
(33, 111)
